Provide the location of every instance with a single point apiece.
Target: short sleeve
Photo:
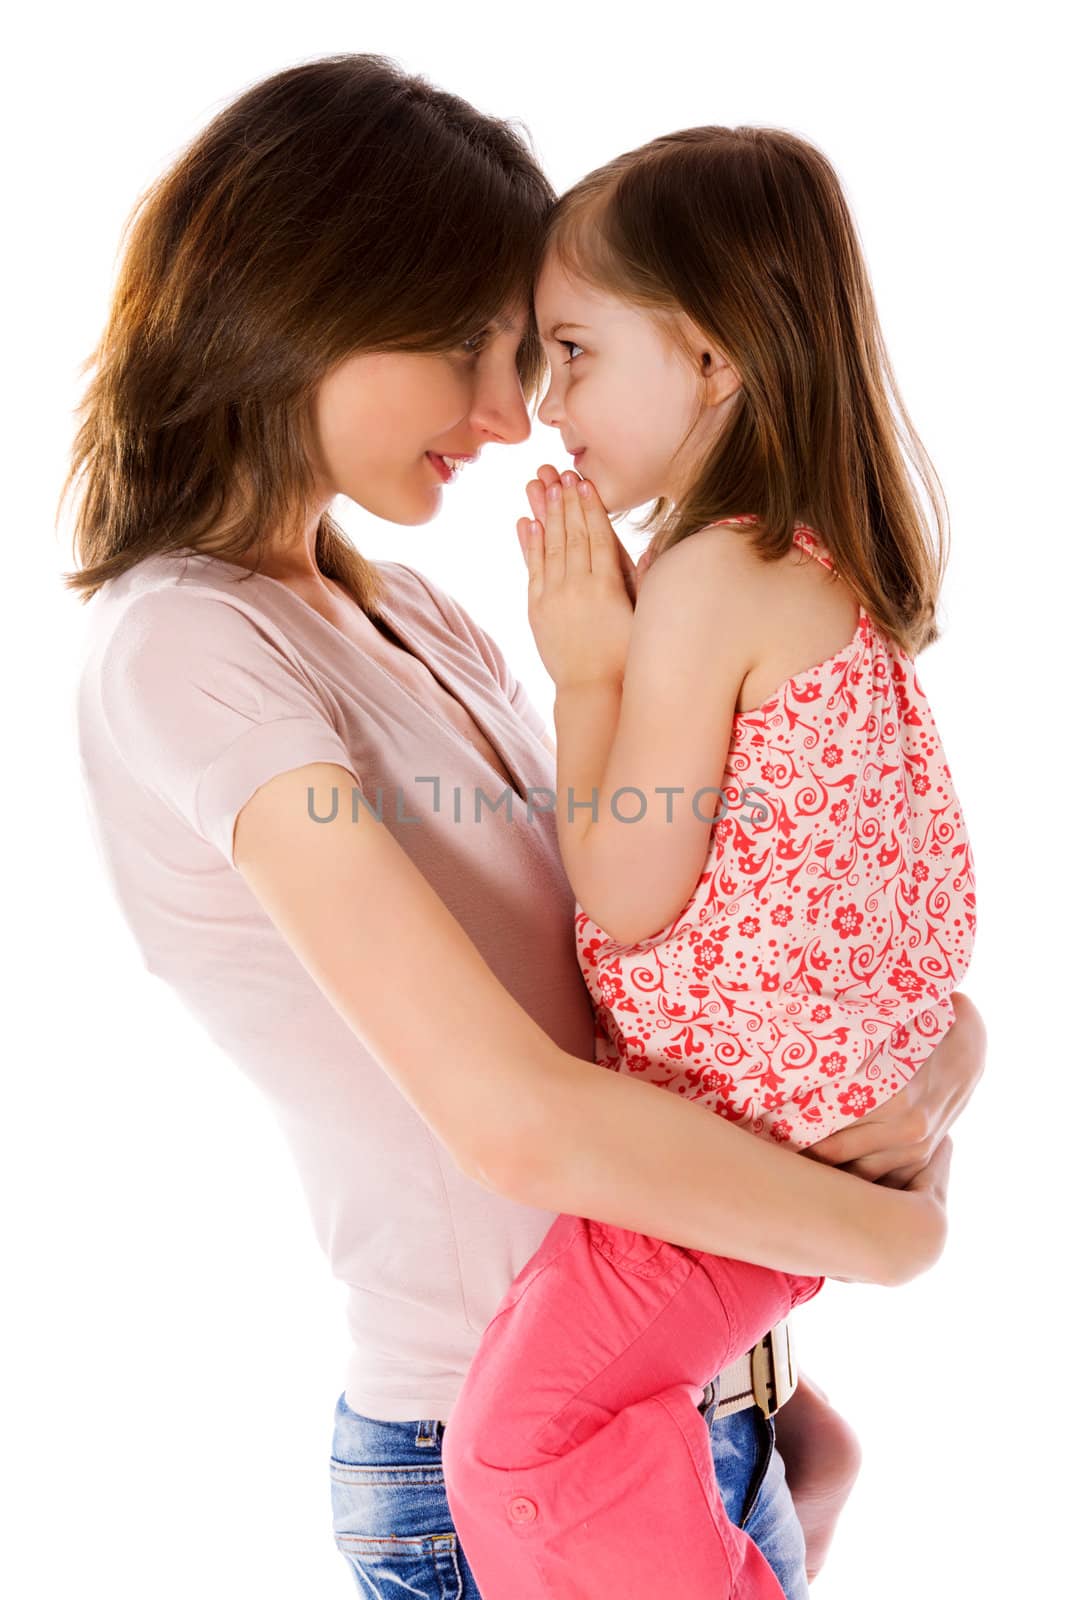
(489, 651)
(204, 704)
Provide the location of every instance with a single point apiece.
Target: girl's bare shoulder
(801, 613)
(793, 611)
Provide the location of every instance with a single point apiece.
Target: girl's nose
(548, 411)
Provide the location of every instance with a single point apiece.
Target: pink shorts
(576, 1463)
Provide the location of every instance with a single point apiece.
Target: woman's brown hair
(747, 231)
(342, 205)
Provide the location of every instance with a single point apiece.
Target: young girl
(786, 958)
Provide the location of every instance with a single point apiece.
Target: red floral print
(809, 974)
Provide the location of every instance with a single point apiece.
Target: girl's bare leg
(822, 1458)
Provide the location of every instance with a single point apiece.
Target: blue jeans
(392, 1523)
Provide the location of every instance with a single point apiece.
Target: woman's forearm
(515, 1111)
(605, 1145)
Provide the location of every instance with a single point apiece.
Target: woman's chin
(422, 503)
(409, 510)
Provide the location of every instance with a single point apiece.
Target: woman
(302, 771)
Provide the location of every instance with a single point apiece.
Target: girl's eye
(570, 345)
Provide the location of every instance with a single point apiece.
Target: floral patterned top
(809, 974)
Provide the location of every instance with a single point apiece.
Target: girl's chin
(612, 496)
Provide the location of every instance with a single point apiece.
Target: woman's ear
(720, 378)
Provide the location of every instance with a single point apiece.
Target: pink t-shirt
(198, 683)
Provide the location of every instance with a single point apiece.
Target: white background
(173, 1342)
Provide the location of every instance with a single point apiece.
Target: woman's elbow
(516, 1156)
(508, 1165)
(482, 1170)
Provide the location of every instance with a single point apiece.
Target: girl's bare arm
(517, 1113)
(659, 736)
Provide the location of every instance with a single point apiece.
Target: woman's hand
(895, 1143)
(582, 582)
(917, 1250)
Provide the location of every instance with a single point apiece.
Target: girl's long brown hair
(747, 231)
(342, 205)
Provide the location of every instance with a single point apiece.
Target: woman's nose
(500, 409)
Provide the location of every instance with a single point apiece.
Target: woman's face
(375, 419)
(622, 393)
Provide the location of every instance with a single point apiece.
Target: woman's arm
(517, 1113)
(892, 1144)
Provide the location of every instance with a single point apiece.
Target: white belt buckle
(774, 1376)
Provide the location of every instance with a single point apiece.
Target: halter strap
(805, 537)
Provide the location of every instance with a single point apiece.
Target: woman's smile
(441, 467)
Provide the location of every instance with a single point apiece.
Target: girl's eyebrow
(551, 334)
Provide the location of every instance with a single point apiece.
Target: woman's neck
(289, 557)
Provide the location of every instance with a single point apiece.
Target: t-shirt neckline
(390, 616)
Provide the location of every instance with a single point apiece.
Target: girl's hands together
(582, 582)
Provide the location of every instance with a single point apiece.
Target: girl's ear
(720, 378)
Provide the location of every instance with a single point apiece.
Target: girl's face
(375, 418)
(622, 394)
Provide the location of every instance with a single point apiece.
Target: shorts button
(522, 1510)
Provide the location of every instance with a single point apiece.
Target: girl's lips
(444, 472)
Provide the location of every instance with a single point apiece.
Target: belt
(764, 1376)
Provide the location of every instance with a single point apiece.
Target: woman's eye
(476, 343)
(570, 345)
